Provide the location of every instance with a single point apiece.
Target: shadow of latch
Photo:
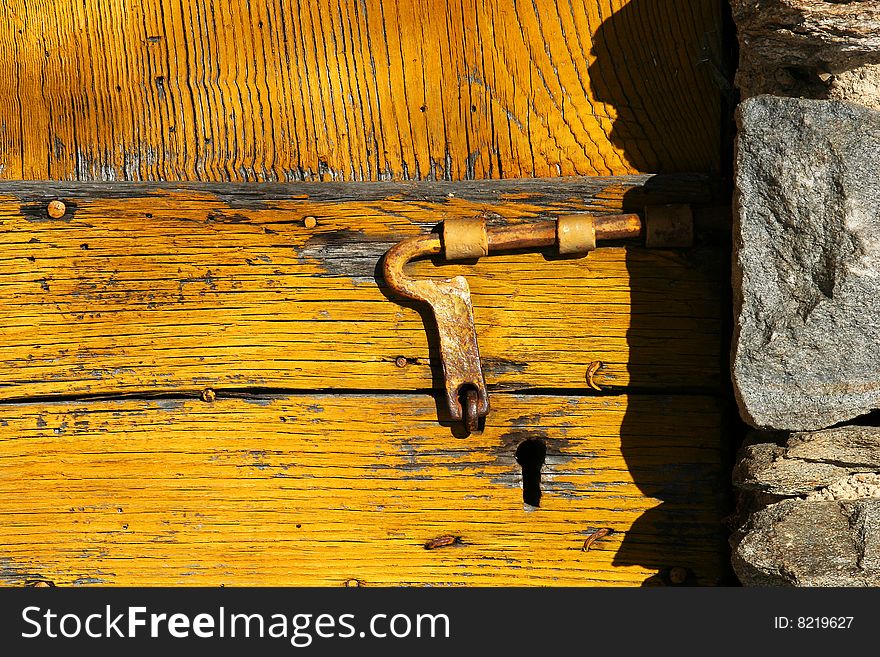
(470, 238)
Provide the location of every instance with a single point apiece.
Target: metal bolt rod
(450, 299)
(543, 234)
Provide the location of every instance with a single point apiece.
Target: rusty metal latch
(471, 238)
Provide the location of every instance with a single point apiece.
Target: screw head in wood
(310, 222)
(56, 209)
(678, 575)
(400, 361)
(208, 395)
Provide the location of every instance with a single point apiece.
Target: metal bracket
(465, 239)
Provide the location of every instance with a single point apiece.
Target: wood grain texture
(146, 289)
(319, 489)
(371, 90)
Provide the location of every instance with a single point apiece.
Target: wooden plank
(369, 90)
(321, 489)
(148, 289)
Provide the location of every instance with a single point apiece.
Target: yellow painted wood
(369, 90)
(157, 289)
(166, 290)
(320, 489)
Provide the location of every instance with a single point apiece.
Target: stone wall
(806, 348)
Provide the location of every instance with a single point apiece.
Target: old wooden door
(204, 381)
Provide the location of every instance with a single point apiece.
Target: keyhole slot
(530, 455)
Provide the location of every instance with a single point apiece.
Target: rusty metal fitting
(450, 301)
(669, 226)
(469, 238)
(56, 209)
(576, 233)
(465, 238)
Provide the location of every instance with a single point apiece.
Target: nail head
(56, 209)
(678, 575)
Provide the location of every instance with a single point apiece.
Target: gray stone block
(806, 352)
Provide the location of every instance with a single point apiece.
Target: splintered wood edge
(615, 191)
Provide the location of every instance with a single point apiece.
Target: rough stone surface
(806, 352)
(809, 508)
(806, 349)
(810, 543)
(809, 48)
(859, 85)
(854, 487)
(831, 464)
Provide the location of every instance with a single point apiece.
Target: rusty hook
(450, 301)
(469, 238)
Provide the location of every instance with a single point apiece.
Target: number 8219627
(813, 622)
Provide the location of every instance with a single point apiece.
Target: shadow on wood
(679, 483)
(648, 74)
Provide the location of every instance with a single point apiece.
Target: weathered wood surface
(328, 90)
(321, 489)
(147, 289)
